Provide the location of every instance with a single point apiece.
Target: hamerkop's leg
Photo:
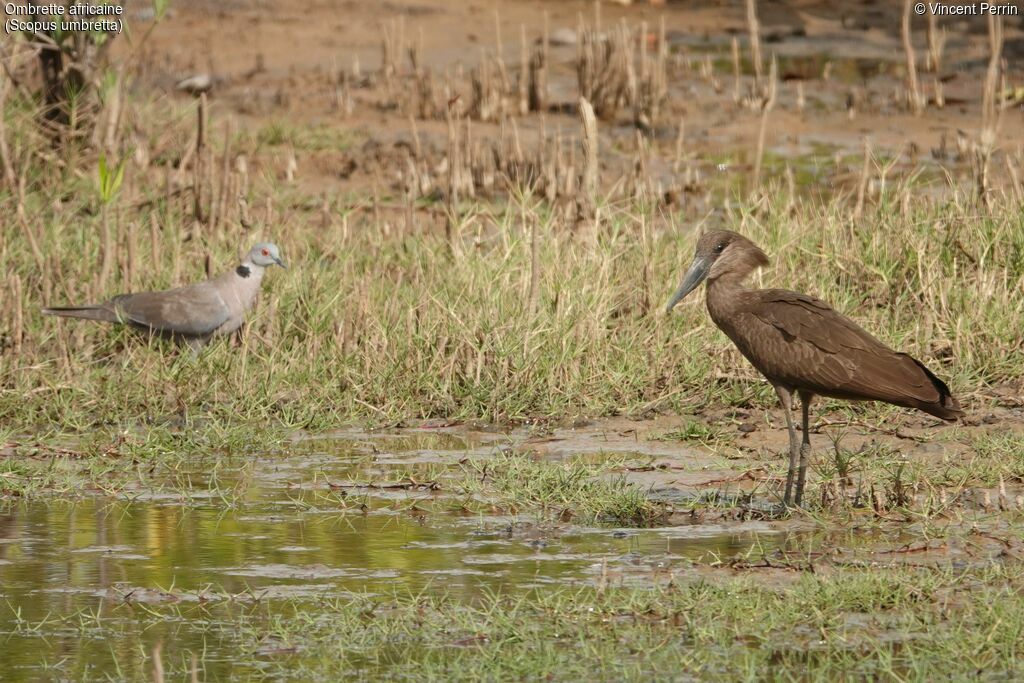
(805, 447)
(786, 398)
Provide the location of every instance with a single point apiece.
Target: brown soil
(280, 62)
(749, 451)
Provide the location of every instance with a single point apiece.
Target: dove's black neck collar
(243, 271)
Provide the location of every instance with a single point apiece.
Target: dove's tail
(85, 312)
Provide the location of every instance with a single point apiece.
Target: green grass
(918, 482)
(304, 138)
(697, 432)
(894, 625)
(560, 490)
(860, 624)
(363, 329)
(110, 460)
(373, 326)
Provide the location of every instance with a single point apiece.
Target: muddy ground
(846, 61)
(184, 555)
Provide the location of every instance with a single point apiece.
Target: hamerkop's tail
(946, 407)
(86, 312)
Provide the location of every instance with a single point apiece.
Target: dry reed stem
(154, 240)
(736, 93)
(10, 179)
(991, 112)
(642, 181)
(661, 63)
(754, 29)
(677, 161)
(766, 107)
(1018, 189)
(862, 186)
(26, 226)
(914, 99)
(108, 252)
(291, 166)
(225, 179)
(113, 116)
(538, 72)
(604, 71)
(791, 190)
(158, 663)
(587, 201)
(534, 294)
(523, 81)
(131, 255)
(634, 85)
(645, 271)
(486, 105)
(936, 44)
(452, 196)
(209, 182)
(198, 170)
(392, 48)
(17, 315)
(652, 88)
(517, 145)
(989, 95)
(176, 261)
(500, 50)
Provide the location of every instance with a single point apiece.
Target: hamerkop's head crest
(719, 254)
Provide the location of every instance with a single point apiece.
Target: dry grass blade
(914, 97)
(754, 31)
(766, 108)
(586, 201)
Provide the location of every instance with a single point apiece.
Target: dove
(193, 314)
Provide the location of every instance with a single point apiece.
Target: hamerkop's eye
(720, 248)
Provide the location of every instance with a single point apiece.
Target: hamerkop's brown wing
(802, 343)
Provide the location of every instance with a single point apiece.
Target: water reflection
(161, 566)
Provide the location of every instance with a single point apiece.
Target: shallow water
(83, 583)
(88, 587)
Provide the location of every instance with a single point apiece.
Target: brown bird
(802, 346)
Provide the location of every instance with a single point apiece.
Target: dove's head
(266, 254)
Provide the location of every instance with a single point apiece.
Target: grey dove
(192, 314)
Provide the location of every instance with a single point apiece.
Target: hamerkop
(802, 346)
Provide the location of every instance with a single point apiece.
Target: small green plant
(696, 431)
(560, 488)
(109, 179)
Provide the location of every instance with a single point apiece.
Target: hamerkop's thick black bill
(801, 345)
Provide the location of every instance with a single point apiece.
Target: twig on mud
(48, 451)
(765, 563)
(394, 206)
(745, 476)
(893, 431)
(406, 485)
(911, 548)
